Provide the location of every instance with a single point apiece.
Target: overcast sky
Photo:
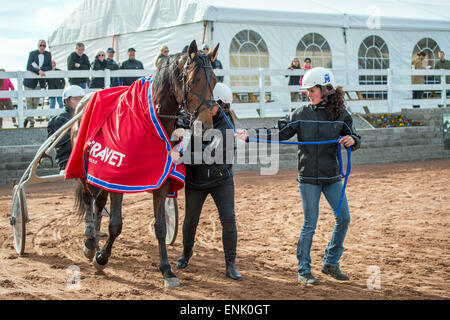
(24, 22)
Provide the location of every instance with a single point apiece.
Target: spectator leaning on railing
(443, 64)
(132, 64)
(55, 84)
(99, 64)
(418, 63)
(216, 64)
(77, 60)
(5, 103)
(112, 65)
(163, 52)
(39, 61)
(294, 80)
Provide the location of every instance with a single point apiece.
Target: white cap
(318, 76)
(223, 92)
(73, 91)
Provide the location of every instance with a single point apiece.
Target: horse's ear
(192, 50)
(214, 53)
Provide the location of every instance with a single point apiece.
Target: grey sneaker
(335, 272)
(307, 278)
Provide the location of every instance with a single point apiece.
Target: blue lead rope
(349, 154)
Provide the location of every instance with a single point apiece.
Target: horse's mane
(166, 76)
(167, 73)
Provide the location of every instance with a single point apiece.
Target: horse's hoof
(89, 253)
(171, 282)
(97, 265)
(181, 264)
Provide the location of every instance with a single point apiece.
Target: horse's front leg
(159, 197)
(114, 228)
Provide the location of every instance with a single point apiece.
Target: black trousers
(223, 196)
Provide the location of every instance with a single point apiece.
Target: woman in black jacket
(215, 179)
(99, 64)
(318, 168)
(294, 80)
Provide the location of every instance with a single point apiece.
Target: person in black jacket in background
(214, 179)
(55, 84)
(71, 96)
(318, 170)
(99, 64)
(77, 60)
(112, 65)
(132, 64)
(38, 62)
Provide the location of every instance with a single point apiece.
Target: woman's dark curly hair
(335, 102)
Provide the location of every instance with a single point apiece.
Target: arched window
(248, 50)
(373, 54)
(315, 47)
(431, 49)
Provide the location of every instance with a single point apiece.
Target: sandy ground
(400, 227)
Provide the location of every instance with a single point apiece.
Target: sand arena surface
(400, 222)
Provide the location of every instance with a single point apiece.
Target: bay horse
(183, 82)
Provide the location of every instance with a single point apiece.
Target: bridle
(204, 63)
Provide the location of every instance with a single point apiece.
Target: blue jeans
(52, 102)
(310, 194)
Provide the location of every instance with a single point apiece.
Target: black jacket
(98, 82)
(131, 64)
(216, 64)
(64, 146)
(112, 65)
(209, 175)
(317, 164)
(46, 66)
(56, 83)
(84, 65)
(294, 80)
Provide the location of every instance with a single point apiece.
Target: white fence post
(443, 92)
(20, 116)
(107, 78)
(262, 94)
(390, 94)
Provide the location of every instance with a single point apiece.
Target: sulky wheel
(171, 213)
(18, 219)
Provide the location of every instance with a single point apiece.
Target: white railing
(398, 81)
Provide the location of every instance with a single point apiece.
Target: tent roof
(102, 18)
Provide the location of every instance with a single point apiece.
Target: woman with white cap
(318, 167)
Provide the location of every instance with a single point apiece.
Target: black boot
(232, 272)
(184, 259)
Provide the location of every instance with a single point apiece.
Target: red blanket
(121, 145)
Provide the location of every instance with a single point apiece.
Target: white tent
(404, 26)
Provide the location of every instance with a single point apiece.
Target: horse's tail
(83, 196)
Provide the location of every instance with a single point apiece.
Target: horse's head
(195, 84)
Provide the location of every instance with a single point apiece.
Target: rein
(349, 153)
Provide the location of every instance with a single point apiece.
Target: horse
(183, 83)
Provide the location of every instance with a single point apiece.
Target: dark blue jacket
(46, 66)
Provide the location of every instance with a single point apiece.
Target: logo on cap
(327, 77)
